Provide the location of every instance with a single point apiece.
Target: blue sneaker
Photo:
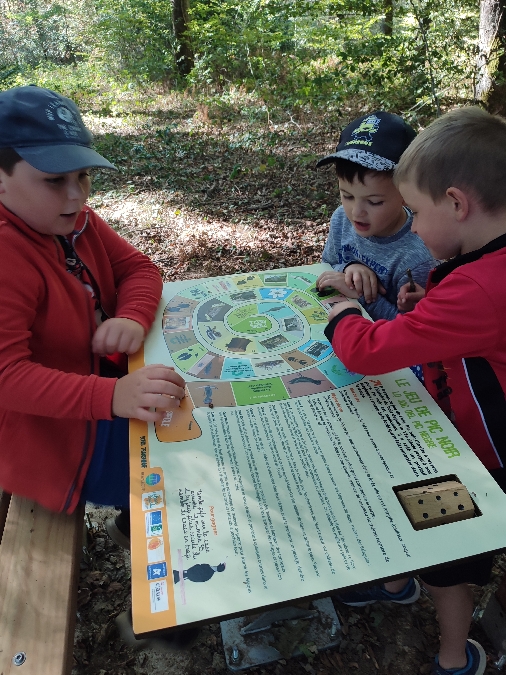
(410, 593)
(476, 662)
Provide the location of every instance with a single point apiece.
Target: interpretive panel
(275, 478)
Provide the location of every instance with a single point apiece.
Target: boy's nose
(75, 190)
(358, 210)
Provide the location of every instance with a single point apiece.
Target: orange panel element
(136, 361)
(149, 612)
(178, 424)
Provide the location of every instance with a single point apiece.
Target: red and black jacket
(459, 331)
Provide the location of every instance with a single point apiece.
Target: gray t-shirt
(388, 257)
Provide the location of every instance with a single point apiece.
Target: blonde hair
(466, 148)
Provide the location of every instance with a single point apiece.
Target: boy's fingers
(323, 282)
(133, 346)
(358, 282)
(146, 415)
(162, 388)
(151, 407)
(161, 372)
(161, 401)
(373, 289)
(369, 295)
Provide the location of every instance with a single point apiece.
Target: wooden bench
(39, 573)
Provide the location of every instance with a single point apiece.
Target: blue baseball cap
(375, 141)
(46, 130)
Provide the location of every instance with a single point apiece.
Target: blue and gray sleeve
(339, 230)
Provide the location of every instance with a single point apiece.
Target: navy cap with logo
(46, 130)
(375, 141)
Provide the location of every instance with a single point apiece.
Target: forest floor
(207, 191)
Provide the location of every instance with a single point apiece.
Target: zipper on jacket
(91, 323)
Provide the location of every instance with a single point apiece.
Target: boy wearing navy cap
(73, 292)
(370, 244)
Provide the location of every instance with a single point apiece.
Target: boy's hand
(155, 386)
(336, 280)
(364, 281)
(407, 300)
(118, 335)
(341, 306)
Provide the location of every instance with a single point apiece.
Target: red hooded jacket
(50, 392)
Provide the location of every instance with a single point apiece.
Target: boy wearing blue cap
(73, 294)
(370, 244)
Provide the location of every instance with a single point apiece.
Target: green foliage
(326, 52)
(33, 31)
(138, 37)
(251, 56)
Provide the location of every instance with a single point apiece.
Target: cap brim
(367, 159)
(330, 159)
(63, 158)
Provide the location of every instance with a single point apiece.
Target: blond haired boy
(452, 178)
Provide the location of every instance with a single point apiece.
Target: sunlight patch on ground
(127, 214)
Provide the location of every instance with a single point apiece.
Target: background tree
(184, 52)
(490, 87)
(388, 22)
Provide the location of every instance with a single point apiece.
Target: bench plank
(5, 499)
(39, 571)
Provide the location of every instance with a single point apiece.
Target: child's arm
(45, 358)
(439, 328)
(138, 286)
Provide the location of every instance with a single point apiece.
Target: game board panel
(277, 476)
(245, 327)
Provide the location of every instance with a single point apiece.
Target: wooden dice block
(436, 504)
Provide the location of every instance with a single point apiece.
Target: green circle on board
(254, 325)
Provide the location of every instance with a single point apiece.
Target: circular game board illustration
(253, 338)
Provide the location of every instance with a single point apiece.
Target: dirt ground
(207, 192)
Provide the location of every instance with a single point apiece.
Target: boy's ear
(460, 203)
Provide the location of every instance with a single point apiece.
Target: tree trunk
(184, 54)
(491, 60)
(388, 21)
